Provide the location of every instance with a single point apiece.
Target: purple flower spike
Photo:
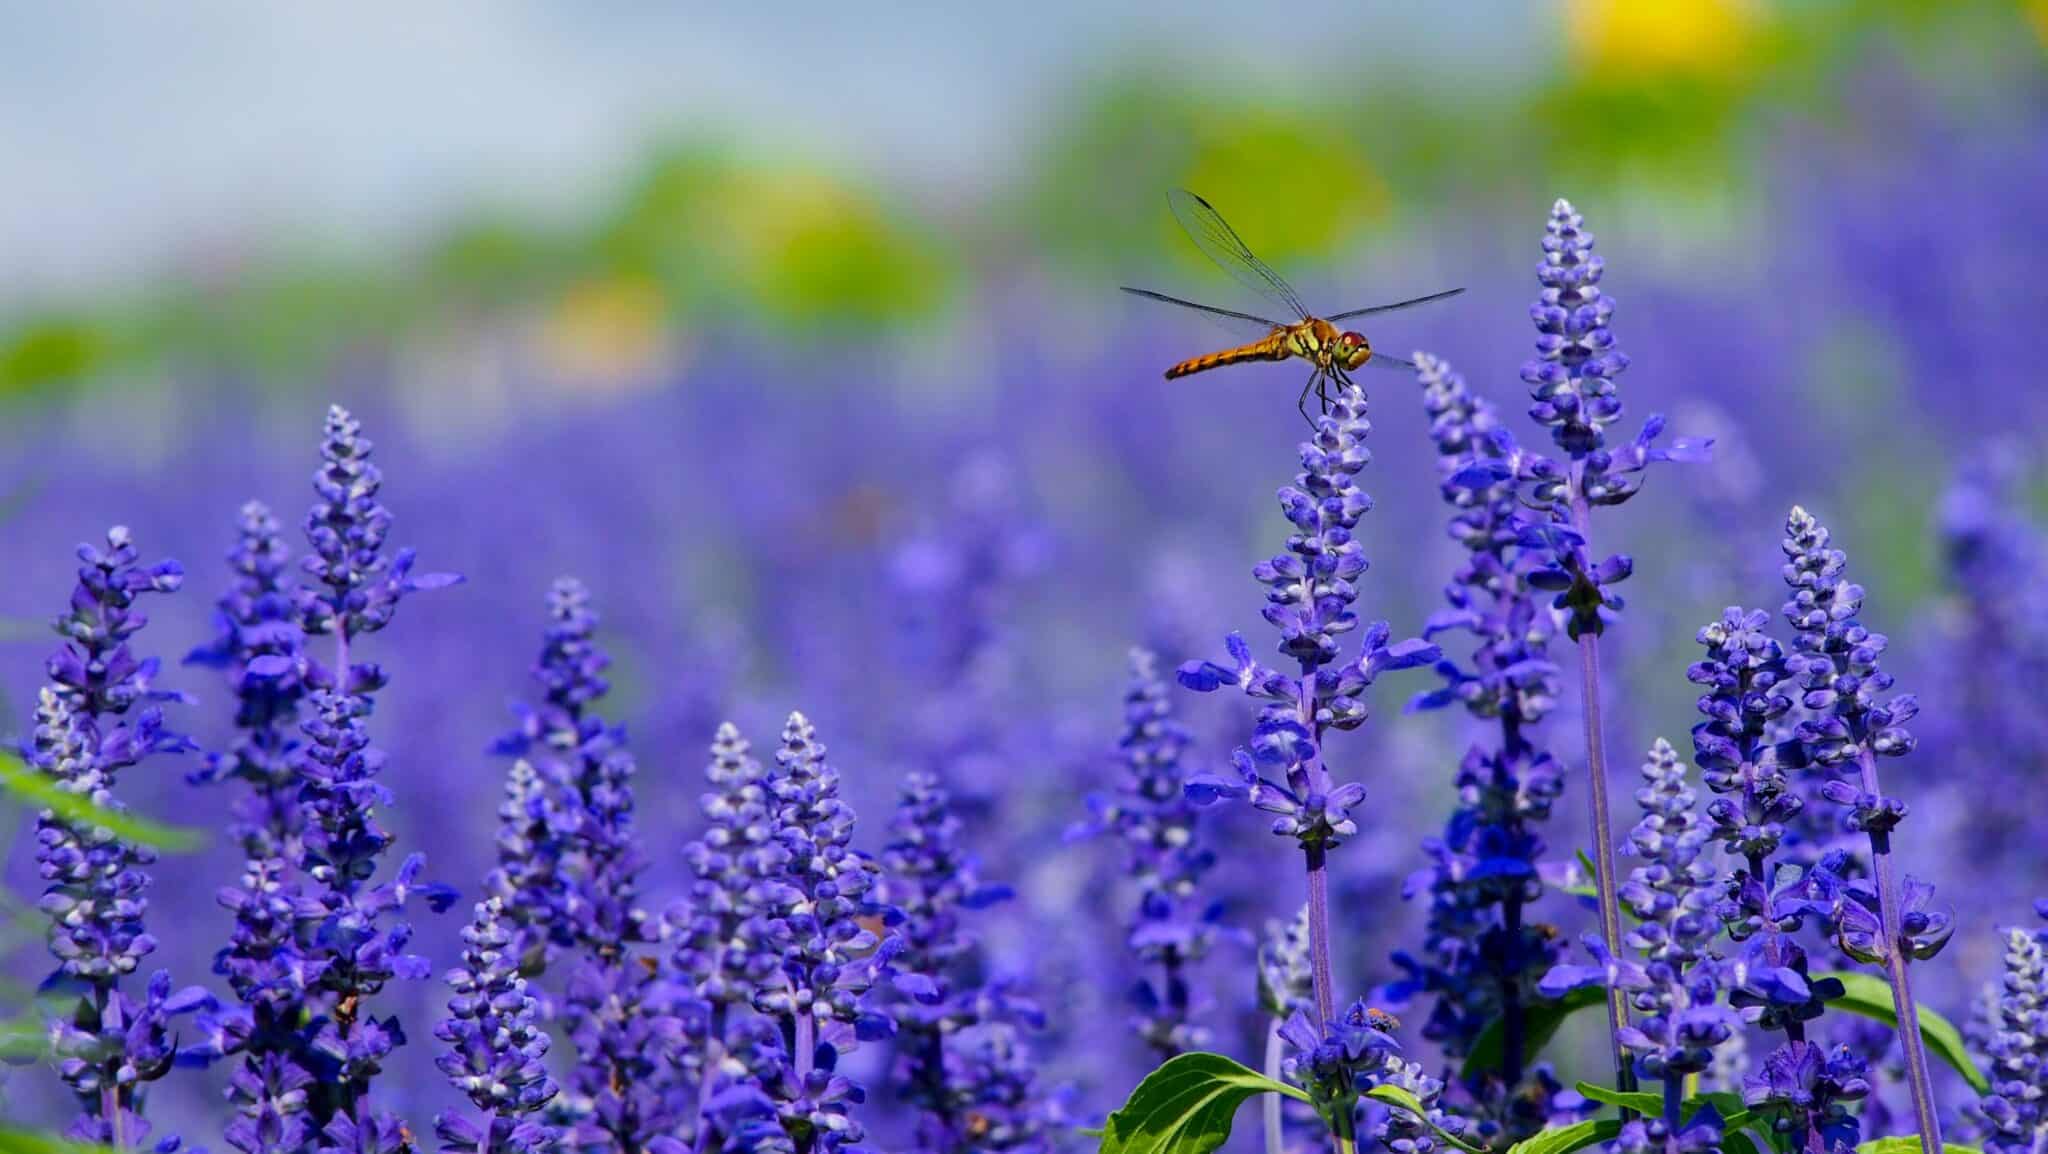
(1155, 814)
(98, 717)
(495, 1046)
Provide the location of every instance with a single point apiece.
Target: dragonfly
(1332, 352)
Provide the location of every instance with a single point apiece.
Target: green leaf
(1871, 997)
(1401, 1099)
(13, 1141)
(39, 790)
(1540, 1021)
(1734, 1115)
(1185, 1106)
(1910, 1144)
(1641, 1101)
(1565, 1139)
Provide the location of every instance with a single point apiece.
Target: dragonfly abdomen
(1273, 348)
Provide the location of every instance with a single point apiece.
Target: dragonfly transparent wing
(1220, 243)
(1210, 310)
(1411, 303)
(1391, 364)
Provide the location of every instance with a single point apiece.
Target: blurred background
(795, 334)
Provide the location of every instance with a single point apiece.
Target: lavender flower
(1838, 665)
(1480, 959)
(495, 1046)
(351, 932)
(1165, 857)
(2018, 1048)
(1571, 380)
(1309, 599)
(258, 643)
(960, 1059)
(356, 588)
(1678, 1019)
(109, 1045)
(1808, 1089)
(1352, 1054)
(568, 847)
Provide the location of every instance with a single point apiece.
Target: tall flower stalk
(495, 1046)
(1572, 383)
(1310, 592)
(96, 717)
(351, 930)
(1165, 856)
(1849, 728)
(1482, 954)
(570, 808)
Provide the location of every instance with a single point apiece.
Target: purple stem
(1596, 773)
(805, 1044)
(1319, 932)
(1895, 960)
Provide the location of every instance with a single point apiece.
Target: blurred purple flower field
(971, 864)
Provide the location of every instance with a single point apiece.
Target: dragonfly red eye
(1351, 340)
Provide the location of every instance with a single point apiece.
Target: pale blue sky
(141, 136)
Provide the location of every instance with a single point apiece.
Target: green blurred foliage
(1663, 102)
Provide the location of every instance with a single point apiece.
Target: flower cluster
(2013, 1111)
(97, 717)
(960, 1055)
(1481, 957)
(568, 856)
(1310, 592)
(495, 1046)
(1166, 858)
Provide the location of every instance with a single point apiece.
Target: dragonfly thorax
(1319, 342)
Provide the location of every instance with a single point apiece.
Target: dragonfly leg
(1314, 385)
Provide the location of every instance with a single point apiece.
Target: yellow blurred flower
(2037, 18)
(607, 331)
(1657, 38)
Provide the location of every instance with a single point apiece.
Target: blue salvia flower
(2012, 1113)
(259, 643)
(351, 931)
(1678, 1019)
(959, 1057)
(1747, 678)
(1481, 957)
(726, 945)
(572, 809)
(1807, 1089)
(1850, 726)
(1165, 856)
(495, 1046)
(97, 717)
(1356, 1052)
(1310, 592)
(829, 958)
(355, 588)
(1997, 567)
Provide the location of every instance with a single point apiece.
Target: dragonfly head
(1352, 350)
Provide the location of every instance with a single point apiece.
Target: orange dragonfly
(1332, 352)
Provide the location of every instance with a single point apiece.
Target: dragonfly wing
(1220, 243)
(1407, 304)
(1391, 364)
(1200, 308)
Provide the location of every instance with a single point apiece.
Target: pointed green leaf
(1401, 1099)
(1871, 996)
(1565, 1139)
(1186, 1106)
(1734, 1115)
(39, 790)
(1910, 1144)
(14, 1141)
(1641, 1101)
(1540, 1020)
